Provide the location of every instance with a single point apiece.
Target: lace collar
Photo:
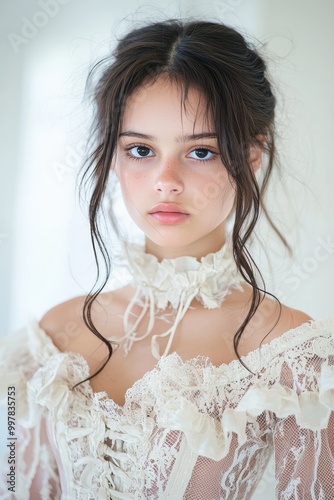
(174, 283)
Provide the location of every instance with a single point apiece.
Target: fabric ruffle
(173, 283)
(208, 405)
(210, 437)
(21, 355)
(311, 409)
(208, 280)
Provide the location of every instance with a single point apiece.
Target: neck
(198, 249)
(175, 284)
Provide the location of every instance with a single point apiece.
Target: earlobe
(255, 158)
(256, 155)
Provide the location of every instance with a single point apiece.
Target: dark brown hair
(230, 73)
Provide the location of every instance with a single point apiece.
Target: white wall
(45, 242)
(298, 44)
(53, 43)
(44, 239)
(301, 36)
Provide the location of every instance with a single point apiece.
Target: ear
(256, 154)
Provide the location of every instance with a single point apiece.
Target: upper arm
(304, 440)
(36, 469)
(304, 460)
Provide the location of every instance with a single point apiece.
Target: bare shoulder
(282, 319)
(65, 325)
(292, 318)
(271, 320)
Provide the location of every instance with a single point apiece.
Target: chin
(175, 242)
(172, 243)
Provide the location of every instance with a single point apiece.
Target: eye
(139, 151)
(203, 154)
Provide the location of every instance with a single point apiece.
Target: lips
(169, 218)
(168, 208)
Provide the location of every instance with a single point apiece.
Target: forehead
(162, 102)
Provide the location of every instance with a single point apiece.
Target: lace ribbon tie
(176, 283)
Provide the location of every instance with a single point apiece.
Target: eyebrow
(183, 138)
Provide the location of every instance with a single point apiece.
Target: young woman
(182, 383)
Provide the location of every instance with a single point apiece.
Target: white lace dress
(188, 430)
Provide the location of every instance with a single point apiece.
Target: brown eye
(140, 151)
(202, 154)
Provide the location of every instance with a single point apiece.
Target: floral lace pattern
(188, 430)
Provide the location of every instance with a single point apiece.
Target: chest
(201, 332)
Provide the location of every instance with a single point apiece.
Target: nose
(168, 178)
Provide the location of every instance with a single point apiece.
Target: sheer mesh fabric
(36, 475)
(188, 430)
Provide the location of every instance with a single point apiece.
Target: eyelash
(129, 155)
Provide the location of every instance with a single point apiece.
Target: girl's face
(174, 184)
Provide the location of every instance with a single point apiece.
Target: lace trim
(206, 404)
(37, 347)
(174, 282)
(310, 339)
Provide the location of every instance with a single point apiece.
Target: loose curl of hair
(232, 76)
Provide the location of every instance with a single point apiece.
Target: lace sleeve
(35, 473)
(304, 461)
(30, 459)
(304, 440)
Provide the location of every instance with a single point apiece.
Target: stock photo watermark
(31, 27)
(301, 271)
(11, 438)
(73, 160)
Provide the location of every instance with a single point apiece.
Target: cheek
(132, 183)
(133, 187)
(214, 192)
(225, 188)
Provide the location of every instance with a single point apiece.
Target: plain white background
(46, 51)
(45, 247)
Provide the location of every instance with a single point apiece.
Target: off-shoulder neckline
(290, 338)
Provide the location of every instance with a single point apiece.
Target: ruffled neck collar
(174, 283)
